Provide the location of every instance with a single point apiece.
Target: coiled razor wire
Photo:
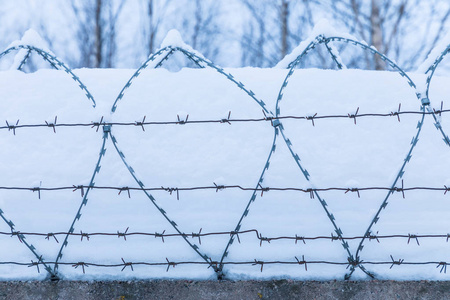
(321, 39)
(156, 60)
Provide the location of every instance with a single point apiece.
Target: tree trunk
(198, 23)
(284, 27)
(98, 34)
(151, 38)
(376, 33)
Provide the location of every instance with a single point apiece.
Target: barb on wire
(311, 118)
(198, 235)
(50, 234)
(12, 127)
(302, 262)
(397, 113)
(97, 124)
(123, 234)
(83, 265)
(443, 266)
(125, 189)
(141, 123)
(170, 190)
(169, 264)
(227, 120)
(182, 122)
(52, 125)
(413, 236)
(85, 235)
(353, 116)
(396, 262)
(127, 264)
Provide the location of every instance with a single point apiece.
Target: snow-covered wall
(211, 173)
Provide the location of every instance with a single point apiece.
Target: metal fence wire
(354, 260)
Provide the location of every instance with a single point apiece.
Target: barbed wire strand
(13, 127)
(441, 265)
(217, 188)
(198, 235)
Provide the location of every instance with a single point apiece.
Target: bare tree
(284, 16)
(96, 31)
(154, 12)
(200, 26)
(273, 29)
(405, 30)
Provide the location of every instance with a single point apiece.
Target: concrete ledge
(185, 289)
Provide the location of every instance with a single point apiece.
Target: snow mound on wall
(31, 38)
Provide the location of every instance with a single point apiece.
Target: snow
(31, 38)
(173, 39)
(335, 151)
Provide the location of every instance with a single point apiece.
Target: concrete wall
(277, 289)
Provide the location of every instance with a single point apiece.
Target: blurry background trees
(122, 33)
(404, 30)
(96, 22)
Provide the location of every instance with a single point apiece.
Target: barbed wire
(198, 235)
(217, 188)
(441, 265)
(53, 125)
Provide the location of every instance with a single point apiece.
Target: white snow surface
(336, 153)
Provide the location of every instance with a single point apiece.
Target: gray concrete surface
(184, 289)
